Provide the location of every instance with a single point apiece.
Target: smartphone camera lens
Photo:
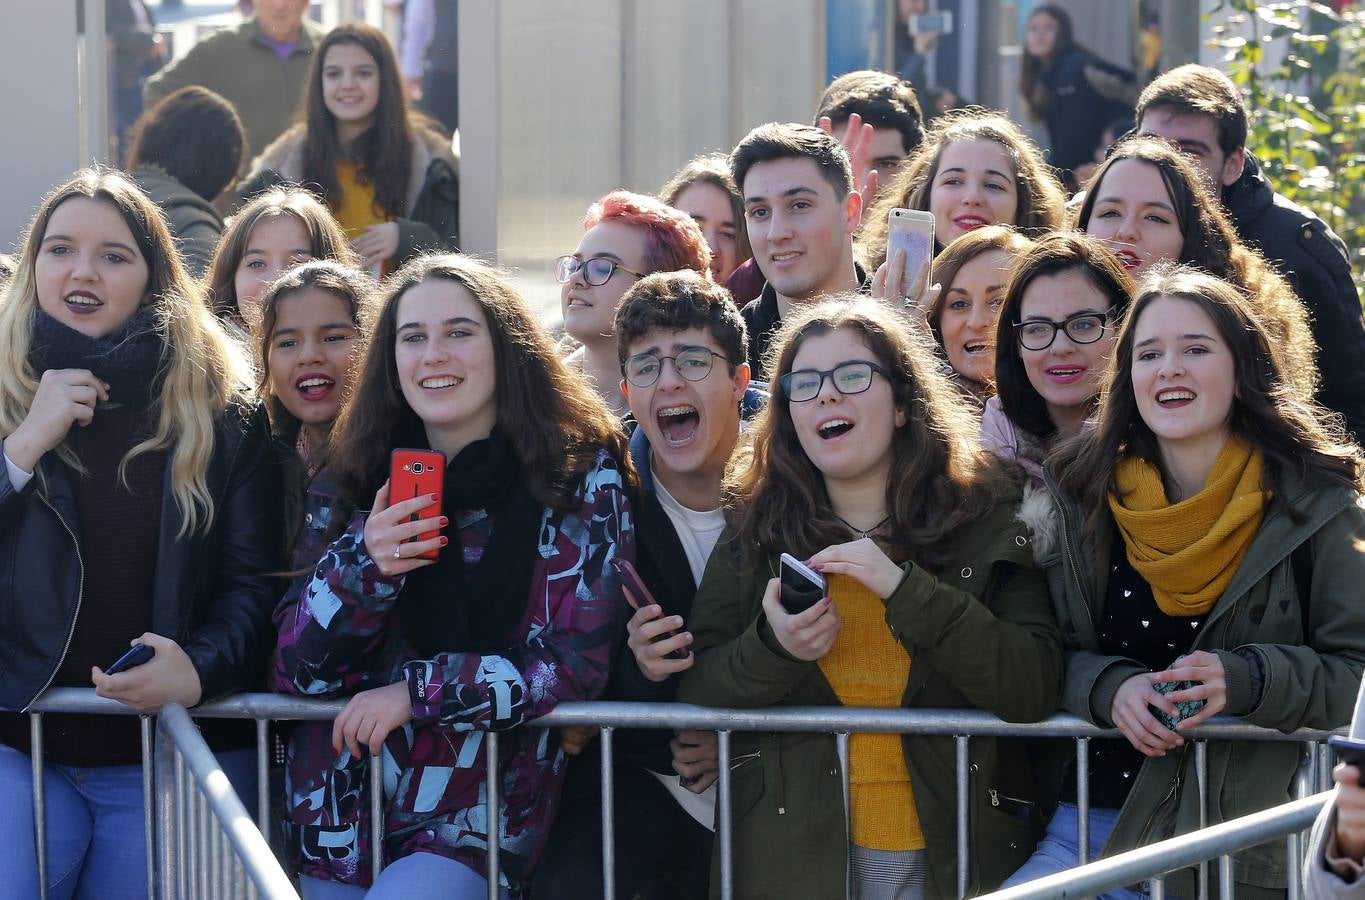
(418, 468)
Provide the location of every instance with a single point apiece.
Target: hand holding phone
(136, 656)
(909, 253)
(416, 473)
(802, 587)
(1186, 708)
(650, 632)
(807, 635)
(1351, 751)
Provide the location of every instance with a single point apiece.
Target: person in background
(1336, 852)
(136, 51)
(1114, 132)
(390, 179)
(913, 43)
(259, 66)
(512, 616)
(1069, 88)
(139, 501)
(277, 230)
(184, 153)
(1202, 112)
(430, 59)
(705, 191)
(865, 464)
(626, 236)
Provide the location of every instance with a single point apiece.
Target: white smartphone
(802, 586)
(931, 23)
(911, 231)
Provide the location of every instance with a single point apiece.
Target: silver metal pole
(963, 800)
(1083, 800)
(1225, 891)
(608, 793)
(263, 776)
(1156, 888)
(376, 815)
(166, 806)
(494, 815)
(148, 804)
(183, 823)
(1201, 778)
(724, 825)
(35, 752)
(201, 835)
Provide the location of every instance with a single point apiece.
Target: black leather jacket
(1314, 260)
(212, 593)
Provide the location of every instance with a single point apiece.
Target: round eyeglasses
(1081, 328)
(691, 363)
(848, 378)
(596, 271)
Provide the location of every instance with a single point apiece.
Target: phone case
(912, 231)
(800, 589)
(1187, 708)
(639, 597)
(413, 473)
(1349, 750)
(136, 656)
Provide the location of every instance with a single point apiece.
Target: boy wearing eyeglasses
(626, 237)
(681, 348)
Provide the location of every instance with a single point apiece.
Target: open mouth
(678, 424)
(1129, 259)
(1065, 374)
(970, 223)
(82, 302)
(1174, 398)
(314, 387)
(973, 347)
(437, 382)
(834, 428)
(780, 258)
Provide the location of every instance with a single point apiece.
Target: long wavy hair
(1041, 207)
(941, 479)
(1212, 244)
(206, 372)
(326, 240)
(1299, 439)
(383, 154)
(549, 414)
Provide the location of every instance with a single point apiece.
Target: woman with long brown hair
(865, 464)
(513, 615)
(1211, 526)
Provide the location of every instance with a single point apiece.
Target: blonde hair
(205, 370)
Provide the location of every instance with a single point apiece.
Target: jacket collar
(1251, 194)
(305, 44)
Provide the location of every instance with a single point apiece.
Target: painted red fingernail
(444, 541)
(444, 520)
(431, 496)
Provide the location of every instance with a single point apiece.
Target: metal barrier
(608, 716)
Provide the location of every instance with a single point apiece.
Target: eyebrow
(325, 327)
(257, 251)
(996, 172)
(1182, 337)
(1080, 312)
(789, 192)
(456, 320)
(64, 237)
(1160, 204)
(961, 290)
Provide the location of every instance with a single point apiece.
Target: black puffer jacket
(212, 594)
(1315, 262)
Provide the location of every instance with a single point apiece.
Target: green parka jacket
(1310, 680)
(981, 634)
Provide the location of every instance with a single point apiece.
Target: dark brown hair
(383, 154)
(712, 169)
(677, 301)
(1197, 90)
(1056, 254)
(1212, 244)
(793, 141)
(1041, 207)
(941, 479)
(881, 99)
(194, 136)
(550, 415)
(1299, 439)
(1033, 70)
(963, 250)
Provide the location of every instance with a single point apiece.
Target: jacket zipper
(1175, 786)
(80, 593)
(1066, 546)
(996, 797)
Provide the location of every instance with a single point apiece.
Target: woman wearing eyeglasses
(1054, 334)
(626, 237)
(866, 465)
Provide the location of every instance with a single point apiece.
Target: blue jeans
(1059, 849)
(420, 876)
(94, 826)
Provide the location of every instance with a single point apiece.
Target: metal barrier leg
(262, 777)
(1082, 801)
(183, 825)
(166, 806)
(1201, 779)
(148, 804)
(201, 840)
(494, 815)
(1225, 891)
(376, 814)
(1156, 888)
(608, 793)
(725, 827)
(964, 788)
(35, 749)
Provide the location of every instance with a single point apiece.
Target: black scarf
(130, 360)
(454, 607)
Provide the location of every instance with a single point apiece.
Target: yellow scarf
(1189, 551)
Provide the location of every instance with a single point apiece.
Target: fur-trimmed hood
(284, 157)
(1038, 511)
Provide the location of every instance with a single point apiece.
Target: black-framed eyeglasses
(691, 364)
(1081, 328)
(852, 377)
(597, 270)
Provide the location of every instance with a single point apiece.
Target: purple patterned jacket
(338, 637)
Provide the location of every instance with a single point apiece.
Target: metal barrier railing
(607, 716)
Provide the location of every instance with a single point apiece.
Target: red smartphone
(413, 473)
(638, 596)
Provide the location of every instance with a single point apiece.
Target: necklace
(860, 532)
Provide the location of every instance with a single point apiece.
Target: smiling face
(974, 187)
(971, 305)
(445, 362)
(799, 229)
(350, 86)
(312, 356)
(1066, 374)
(590, 310)
(274, 245)
(692, 426)
(1184, 377)
(1135, 215)
(90, 274)
(710, 207)
(846, 436)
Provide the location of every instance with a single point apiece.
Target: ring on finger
(398, 552)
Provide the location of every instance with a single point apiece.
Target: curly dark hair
(195, 136)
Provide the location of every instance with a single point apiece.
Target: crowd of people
(1106, 464)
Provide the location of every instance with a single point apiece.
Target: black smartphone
(1350, 751)
(802, 587)
(136, 656)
